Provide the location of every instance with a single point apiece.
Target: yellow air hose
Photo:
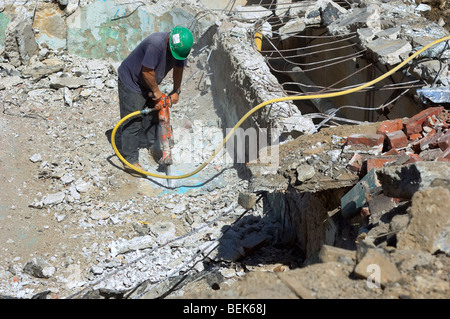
(256, 108)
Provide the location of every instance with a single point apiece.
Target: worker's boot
(133, 172)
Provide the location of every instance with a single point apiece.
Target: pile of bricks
(423, 137)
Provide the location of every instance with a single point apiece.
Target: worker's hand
(156, 96)
(174, 98)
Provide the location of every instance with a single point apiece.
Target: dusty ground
(77, 138)
(440, 9)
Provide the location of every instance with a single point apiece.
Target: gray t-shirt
(153, 52)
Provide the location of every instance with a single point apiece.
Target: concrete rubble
(340, 206)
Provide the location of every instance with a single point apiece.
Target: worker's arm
(150, 78)
(177, 78)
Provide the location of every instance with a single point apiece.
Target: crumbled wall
(249, 82)
(104, 29)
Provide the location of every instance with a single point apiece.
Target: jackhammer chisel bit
(165, 134)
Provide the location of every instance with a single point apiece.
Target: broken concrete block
(20, 44)
(305, 172)
(413, 125)
(442, 241)
(252, 242)
(247, 200)
(358, 196)
(70, 82)
(38, 267)
(332, 253)
(331, 11)
(291, 28)
(163, 231)
(123, 246)
(357, 18)
(390, 33)
(390, 51)
(430, 221)
(39, 71)
(399, 222)
(374, 264)
(10, 81)
(252, 13)
(379, 205)
(403, 181)
(390, 126)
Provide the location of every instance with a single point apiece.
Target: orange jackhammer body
(165, 129)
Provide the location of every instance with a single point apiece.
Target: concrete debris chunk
(429, 223)
(376, 267)
(305, 172)
(247, 200)
(20, 43)
(331, 253)
(36, 158)
(163, 231)
(58, 82)
(291, 28)
(122, 246)
(390, 52)
(53, 199)
(38, 267)
(404, 181)
(252, 13)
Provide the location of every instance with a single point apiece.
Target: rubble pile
(400, 247)
(421, 138)
(75, 225)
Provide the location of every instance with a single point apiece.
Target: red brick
(390, 126)
(413, 158)
(423, 144)
(392, 151)
(434, 141)
(444, 141)
(445, 156)
(379, 162)
(355, 163)
(365, 211)
(413, 137)
(396, 139)
(413, 125)
(429, 121)
(365, 139)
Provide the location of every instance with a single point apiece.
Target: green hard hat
(180, 41)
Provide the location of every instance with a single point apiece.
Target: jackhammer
(164, 130)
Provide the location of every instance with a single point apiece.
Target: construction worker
(139, 77)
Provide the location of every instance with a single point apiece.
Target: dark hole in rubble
(314, 61)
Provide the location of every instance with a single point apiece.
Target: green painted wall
(95, 32)
(4, 20)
